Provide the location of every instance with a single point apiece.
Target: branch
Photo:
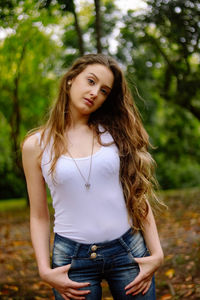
(78, 30)
(154, 41)
(194, 110)
(98, 25)
(16, 116)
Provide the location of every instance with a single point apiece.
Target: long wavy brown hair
(119, 116)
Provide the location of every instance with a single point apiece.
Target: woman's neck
(77, 120)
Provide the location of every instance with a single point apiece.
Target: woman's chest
(103, 164)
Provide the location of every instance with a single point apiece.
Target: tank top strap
(38, 135)
(106, 137)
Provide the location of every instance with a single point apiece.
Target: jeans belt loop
(76, 249)
(122, 242)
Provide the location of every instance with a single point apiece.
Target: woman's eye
(104, 92)
(91, 81)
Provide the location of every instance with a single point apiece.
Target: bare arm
(40, 224)
(151, 237)
(148, 265)
(39, 214)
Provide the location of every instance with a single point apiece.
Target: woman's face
(90, 89)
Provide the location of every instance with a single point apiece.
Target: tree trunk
(16, 117)
(78, 29)
(98, 25)
(15, 123)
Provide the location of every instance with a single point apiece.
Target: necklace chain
(87, 182)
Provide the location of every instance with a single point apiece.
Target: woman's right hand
(58, 279)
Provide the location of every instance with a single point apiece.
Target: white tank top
(92, 215)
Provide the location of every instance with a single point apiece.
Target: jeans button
(93, 255)
(94, 248)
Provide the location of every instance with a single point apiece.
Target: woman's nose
(94, 91)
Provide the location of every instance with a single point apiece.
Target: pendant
(87, 185)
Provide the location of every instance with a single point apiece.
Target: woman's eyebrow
(98, 79)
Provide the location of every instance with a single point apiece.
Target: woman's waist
(130, 241)
(88, 232)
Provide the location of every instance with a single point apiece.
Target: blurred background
(157, 43)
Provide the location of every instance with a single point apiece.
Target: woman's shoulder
(32, 143)
(31, 154)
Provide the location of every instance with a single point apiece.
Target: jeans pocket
(136, 245)
(62, 253)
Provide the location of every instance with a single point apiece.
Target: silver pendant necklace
(87, 182)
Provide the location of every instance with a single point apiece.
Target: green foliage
(109, 16)
(28, 59)
(10, 183)
(159, 47)
(12, 205)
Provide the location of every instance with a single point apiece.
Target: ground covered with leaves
(178, 278)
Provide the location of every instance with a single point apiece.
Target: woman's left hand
(148, 265)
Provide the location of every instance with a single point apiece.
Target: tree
(109, 16)
(160, 47)
(27, 87)
(88, 20)
(98, 25)
(68, 6)
(169, 32)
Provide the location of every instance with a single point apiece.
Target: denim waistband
(125, 237)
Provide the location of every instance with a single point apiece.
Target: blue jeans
(112, 261)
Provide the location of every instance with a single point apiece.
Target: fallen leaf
(166, 297)
(168, 257)
(170, 273)
(4, 292)
(189, 278)
(9, 267)
(19, 243)
(189, 293)
(7, 287)
(13, 288)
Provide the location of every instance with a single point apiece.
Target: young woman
(93, 155)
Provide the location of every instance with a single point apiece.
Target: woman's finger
(77, 285)
(141, 286)
(78, 292)
(71, 296)
(147, 287)
(138, 279)
(141, 289)
(135, 288)
(65, 297)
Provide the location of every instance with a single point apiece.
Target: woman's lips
(88, 101)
